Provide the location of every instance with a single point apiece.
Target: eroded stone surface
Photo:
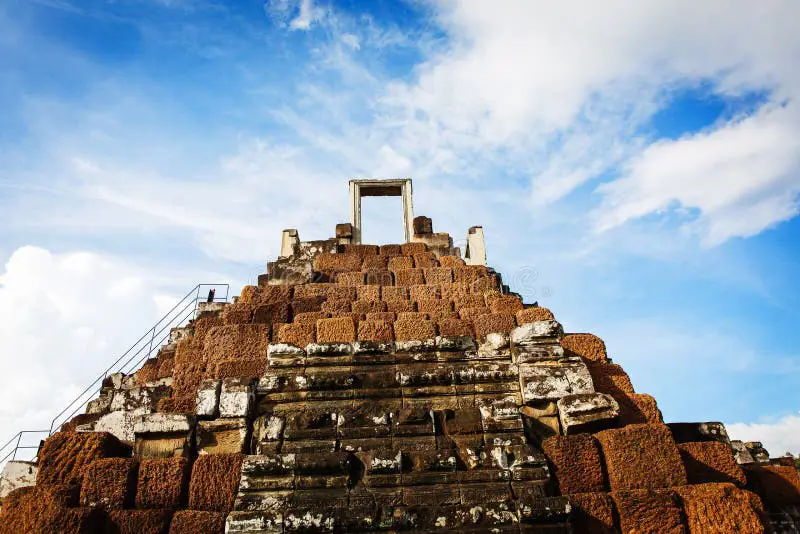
(551, 381)
(236, 397)
(17, 474)
(587, 412)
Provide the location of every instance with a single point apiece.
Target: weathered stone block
(284, 355)
(119, 424)
(64, 457)
(695, 432)
(423, 225)
(587, 412)
(336, 330)
(537, 352)
(741, 454)
(641, 457)
(537, 332)
(207, 404)
(236, 397)
(414, 330)
(163, 483)
(215, 482)
(222, 436)
(162, 435)
(17, 474)
(110, 483)
(100, 405)
(254, 522)
(553, 381)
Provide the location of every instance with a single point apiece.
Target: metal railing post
(19, 438)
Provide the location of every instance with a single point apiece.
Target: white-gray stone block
(329, 348)
(17, 474)
(536, 332)
(163, 423)
(236, 397)
(136, 400)
(537, 352)
(741, 454)
(551, 381)
(254, 523)
(455, 343)
(285, 355)
(119, 423)
(587, 412)
(100, 405)
(207, 404)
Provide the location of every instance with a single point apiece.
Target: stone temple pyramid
(365, 388)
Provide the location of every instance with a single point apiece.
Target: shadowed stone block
(587, 412)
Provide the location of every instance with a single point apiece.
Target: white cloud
(779, 437)
(63, 319)
(296, 14)
(743, 177)
(351, 40)
(559, 91)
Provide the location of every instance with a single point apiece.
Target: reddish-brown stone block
(368, 306)
(378, 277)
(163, 483)
(64, 457)
(588, 346)
(592, 513)
(450, 261)
(110, 483)
(720, 508)
(414, 329)
(394, 293)
(197, 522)
(400, 263)
(337, 307)
(354, 278)
(576, 461)
(710, 461)
(375, 330)
(409, 277)
(425, 260)
(494, 322)
(299, 334)
(455, 327)
(310, 317)
(215, 481)
(390, 250)
(648, 511)
(369, 292)
(641, 457)
(332, 262)
(505, 304)
(434, 306)
(470, 314)
(610, 378)
(336, 330)
(374, 262)
(438, 275)
(382, 316)
(399, 306)
(409, 249)
(138, 521)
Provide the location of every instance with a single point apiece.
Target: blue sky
(636, 169)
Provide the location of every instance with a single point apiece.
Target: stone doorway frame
(395, 187)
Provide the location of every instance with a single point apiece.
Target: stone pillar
(475, 253)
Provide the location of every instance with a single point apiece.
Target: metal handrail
(141, 350)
